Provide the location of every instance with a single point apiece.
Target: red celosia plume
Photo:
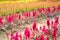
(36, 38)
(16, 36)
(41, 37)
(1, 20)
(27, 33)
(48, 22)
(34, 26)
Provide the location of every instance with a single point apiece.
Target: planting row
(28, 16)
(49, 31)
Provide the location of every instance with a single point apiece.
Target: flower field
(29, 20)
(39, 24)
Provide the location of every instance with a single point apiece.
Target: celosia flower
(44, 28)
(9, 18)
(52, 23)
(54, 8)
(15, 16)
(40, 28)
(20, 16)
(34, 13)
(57, 20)
(47, 38)
(48, 22)
(34, 26)
(41, 37)
(11, 36)
(47, 32)
(48, 10)
(16, 36)
(27, 14)
(27, 33)
(1, 20)
(36, 38)
(58, 8)
(41, 10)
(54, 34)
(20, 37)
(37, 30)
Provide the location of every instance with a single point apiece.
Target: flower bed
(48, 31)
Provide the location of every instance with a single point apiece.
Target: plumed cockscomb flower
(48, 22)
(9, 18)
(47, 38)
(58, 8)
(41, 10)
(11, 35)
(46, 31)
(48, 10)
(57, 20)
(54, 9)
(34, 25)
(19, 16)
(34, 13)
(20, 37)
(27, 14)
(15, 16)
(1, 20)
(16, 36)
(36, 38)
(41, 37)
(54, 34)
(27, 33)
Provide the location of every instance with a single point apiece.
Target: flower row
(44, 32)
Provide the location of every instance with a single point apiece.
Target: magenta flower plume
(47, 31)
(48, 10)
(58, 8)
(42, 37)
(27, 33)
(40, 28)
(9, 18)
(20, 17)
(12, 36)
(15, 16)
(16, 36)
(54, 34)
(20, 37)
(40, 10)
(57, 20)
(47, 38)
(48, 22)
(36, 38)
(54, 9)
(34, 13)
(1, 20)
(52, 23)
(32, 34)
(27, 14)
(44, 28)
(34, 26)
